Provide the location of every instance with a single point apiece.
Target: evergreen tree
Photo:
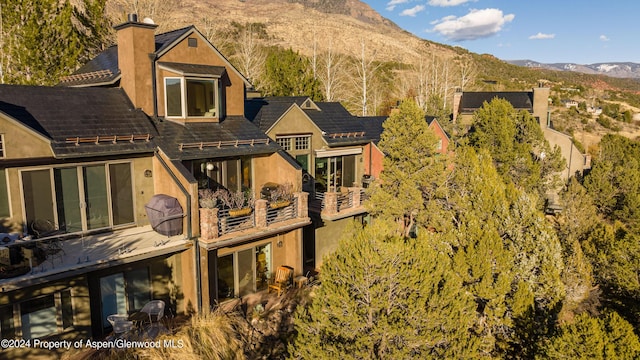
(413, 173)
(402, 300)
(608, 337)
(287, 74)
(518, 147)
(614, 180)
(41, 41)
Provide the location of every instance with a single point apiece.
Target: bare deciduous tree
(249, 54)
(365, 71)
(331, 73)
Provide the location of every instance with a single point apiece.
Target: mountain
(616, 69)
(297, 24)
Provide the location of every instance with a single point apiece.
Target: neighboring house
(154, 115)
(330, 146)
(570, 103)
(373, 156)
(442, 146)
(535, 102)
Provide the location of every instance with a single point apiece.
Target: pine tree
(402, 300)
(608, 337)
(287, 74)
(518, 147)
(41, 41)
(413, 173)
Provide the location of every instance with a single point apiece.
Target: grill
(165, 214)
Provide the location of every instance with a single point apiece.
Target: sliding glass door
(95, 197)
(80, 198)
(68, 199)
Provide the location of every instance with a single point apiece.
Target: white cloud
(475, 25)
(444, 3)
(413, 11)
(541, 36)
(604, 38)
(393, 3)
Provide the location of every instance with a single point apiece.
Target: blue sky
(582, 32)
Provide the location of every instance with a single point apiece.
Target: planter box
(240, 212)
(279, 204)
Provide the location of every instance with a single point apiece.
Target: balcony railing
(334, 203)
(215, 222)
(228, 222)
(278, 214)
(23, 260)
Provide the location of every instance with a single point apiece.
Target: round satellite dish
(148, 20)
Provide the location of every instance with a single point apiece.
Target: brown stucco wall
(81, 314)
(274, 168)
(372, 159)
(205, 55)
(295, 121)
(21, 143)
(327, 237)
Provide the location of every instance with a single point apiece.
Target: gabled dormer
(309, 105)
(177, 75)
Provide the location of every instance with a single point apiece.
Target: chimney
(541, 104)
(136, 42)
(457, 97)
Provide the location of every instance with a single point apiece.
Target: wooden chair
(282, 279)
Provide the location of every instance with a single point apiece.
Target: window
(192, 42)
(7, 327)
(302, 142)
(2, 154)
(294, 142)
(124, 293)
(244, 272)
(191, 96)
(333, 172)
(285, 143)
(5, 211)
(233, 174)
(80, 198)
(37, 317)
(439, 146)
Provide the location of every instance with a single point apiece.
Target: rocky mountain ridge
(613, 69)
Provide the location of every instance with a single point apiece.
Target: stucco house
(536, 102)
(331, 146)
(156, 114)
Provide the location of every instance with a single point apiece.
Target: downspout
(154, 87)
(189, 229)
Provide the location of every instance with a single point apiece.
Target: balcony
(334, 205)
(265, 219)
(25, 262)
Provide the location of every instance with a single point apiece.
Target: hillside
(341, 24)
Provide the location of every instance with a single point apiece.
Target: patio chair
(120, 324)
(282, 279)
(43, 228)
(154, 309)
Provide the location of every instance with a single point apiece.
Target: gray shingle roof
(235, 136)
(520, 100)
(339, 127)
(60, 114)
(103, 69)
(373, 126)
